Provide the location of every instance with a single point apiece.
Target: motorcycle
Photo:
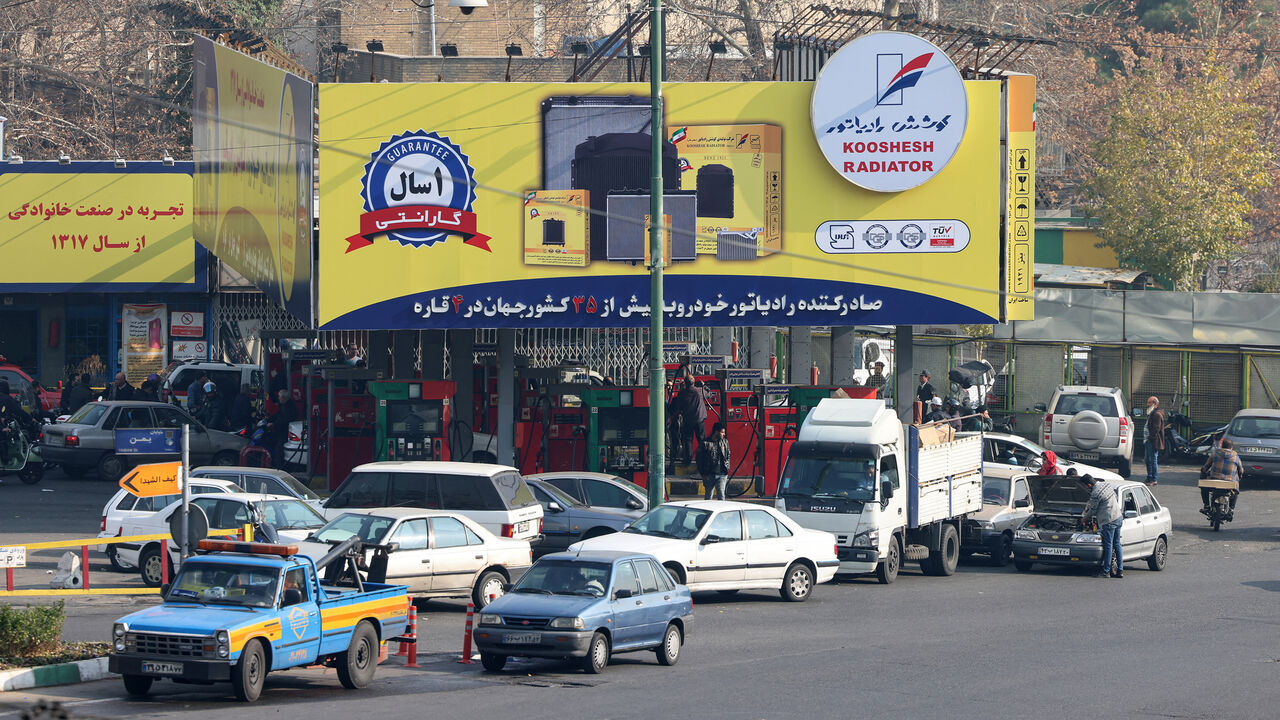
(256, 453)
(22, 456)
(1219, 509)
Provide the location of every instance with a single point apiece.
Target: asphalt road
(1195, 641)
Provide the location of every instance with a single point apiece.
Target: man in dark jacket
(278, 427)
(1154, 438)
(120, 389)
(692, 404)
(713, 462)
(64, 402)
(11, 410)
(80, 394)
(242, 408)
(195, 392)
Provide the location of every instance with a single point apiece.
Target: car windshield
(291, 515)
(88, 415)
(847, 478)
(565, 577)
(226, 584)
(670, 521)
(1255, 427)
(995, 490)
(1104, 405)
(370, 528)
(298, 488)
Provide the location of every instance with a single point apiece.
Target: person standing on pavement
(1155, 432)
(80, 394)
(149, 390)
(713, 462)
(120, 388)
(1104, 507)
(242, 408)
(924, 393)
(278, 427)
(195, 392)
(877, 379)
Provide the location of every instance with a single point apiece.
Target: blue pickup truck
(252, 608)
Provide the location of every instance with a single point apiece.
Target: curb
(60, 674)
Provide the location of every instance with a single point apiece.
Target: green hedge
(30, 631)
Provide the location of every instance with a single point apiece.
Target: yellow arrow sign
(153, 479)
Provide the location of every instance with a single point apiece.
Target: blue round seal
(418, 169)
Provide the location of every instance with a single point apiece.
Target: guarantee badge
(418, 189)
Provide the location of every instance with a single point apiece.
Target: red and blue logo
(906, 76)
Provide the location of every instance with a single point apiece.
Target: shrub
(30, 631)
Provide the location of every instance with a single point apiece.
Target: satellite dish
(197, 526)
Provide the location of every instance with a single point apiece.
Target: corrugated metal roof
(1078, 276)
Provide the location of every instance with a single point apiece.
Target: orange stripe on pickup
(348, 615)
(270, 629)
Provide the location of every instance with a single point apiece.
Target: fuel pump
(739, 410)
(413, 417)
(340, 419)
(783, 409)
(618, 431)
(547, 397)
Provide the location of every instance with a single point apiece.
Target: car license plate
(1260, 450)
(1083, 456)
(523, 527)
(1053, 551)
(528, 638)
(162, 668)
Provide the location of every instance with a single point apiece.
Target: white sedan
(1005, 455)
(292, 519)
(435, 553)
(729, 546)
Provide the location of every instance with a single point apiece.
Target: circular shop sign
(889, 110)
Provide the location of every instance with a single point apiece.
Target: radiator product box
(557, 228)
(617, 162)
(628, 223)
(736, 171)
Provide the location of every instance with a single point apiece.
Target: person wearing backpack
(713, 462)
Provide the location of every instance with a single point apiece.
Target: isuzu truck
(888, 491)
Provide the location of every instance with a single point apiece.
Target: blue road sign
(148, 441)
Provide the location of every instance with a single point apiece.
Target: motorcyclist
(11, 412)
(1223, 464)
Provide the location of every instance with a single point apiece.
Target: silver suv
(1089, 424)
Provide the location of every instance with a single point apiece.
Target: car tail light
(539, 525)
(1124, 428)
(508, 530)
(103, 527)
(1048, 426)
(73, 441)
(293, 437)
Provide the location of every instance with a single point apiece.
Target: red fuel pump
(779, 424)
(739, 410)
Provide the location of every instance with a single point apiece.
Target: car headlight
(985, 524)
(490, 619)
(870, 538)
(1026, 535)
(1087, 538)
(119, 630)
(223, 639)
(567, 623)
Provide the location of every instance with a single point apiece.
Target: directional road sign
(153, 479)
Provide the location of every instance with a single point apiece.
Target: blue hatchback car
(587, 606)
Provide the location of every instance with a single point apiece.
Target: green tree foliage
(1176, 168)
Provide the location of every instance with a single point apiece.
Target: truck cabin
(250, 575)
(851, 473)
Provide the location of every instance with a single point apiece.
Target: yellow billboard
(1020, 198)
(93, 227)
(253, 135)
(437, 198)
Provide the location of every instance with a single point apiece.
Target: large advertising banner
(93, 227)
(526, 205)
(254, 143)
(144, 338)
(1020, 211)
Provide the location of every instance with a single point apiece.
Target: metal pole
(657, 375)
(186, 498)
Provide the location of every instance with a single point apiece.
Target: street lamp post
(657, 374)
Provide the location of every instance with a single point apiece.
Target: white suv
(1090, 424)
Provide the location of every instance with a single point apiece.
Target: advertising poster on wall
(525, 205)
(1020, 211)
(93, 227)
(144, 337)
(254, 141)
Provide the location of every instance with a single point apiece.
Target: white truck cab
(889, 492)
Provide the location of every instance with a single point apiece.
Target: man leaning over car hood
(1104, 505)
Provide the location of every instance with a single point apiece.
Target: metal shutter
(1215, 386)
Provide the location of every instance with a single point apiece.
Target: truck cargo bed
(943, 480)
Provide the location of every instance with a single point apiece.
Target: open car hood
(1050, 492)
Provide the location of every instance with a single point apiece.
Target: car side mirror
(1136, 412)
(1022, 502)
(634, 504)
(164, 590)
(1040, 407)
(554, 507)
(710, 539)
(886, 490)
(292, 596)
(1130, 513)
(392, 547)
(506, 587)
(622, 594)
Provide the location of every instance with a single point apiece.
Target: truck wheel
(490, 583)
(669, 650)
(1001, 549)
(597, 658)
(887, 570)
(248, 675)
(357, 665)
(943, 561)
(492, 662)
(149, 567)
(797, 583)
(137, 685)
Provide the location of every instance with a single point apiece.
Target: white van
(495, 496)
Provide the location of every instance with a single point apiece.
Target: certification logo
(418, 189)
(885, 237)
(911, 235)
